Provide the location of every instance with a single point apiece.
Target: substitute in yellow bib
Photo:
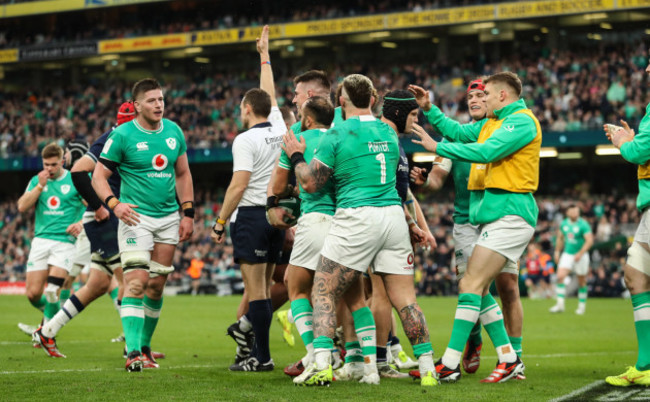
(504, 150)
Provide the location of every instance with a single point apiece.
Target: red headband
(476, 85)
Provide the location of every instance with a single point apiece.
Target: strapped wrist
(111, 201)
(296, 158)
(220, 221)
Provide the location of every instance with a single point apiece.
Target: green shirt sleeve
(32, 184)
(326, 150)
(520, 131)
(585, 227)
(181, 139)
(451, 129)
(113, 148)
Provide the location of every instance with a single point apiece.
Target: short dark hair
(52, 150)
(317, 76)
(143, 86)
(259, 100)
(359, 89)
(320, 109)
(287, 113)
(506, 77)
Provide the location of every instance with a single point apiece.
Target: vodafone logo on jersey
(159, 162)
(53, 202)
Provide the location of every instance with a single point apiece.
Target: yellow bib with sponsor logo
(644, 171)
(517, 173)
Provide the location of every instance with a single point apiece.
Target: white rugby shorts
(46, 252)
(311, 231)
(375, 237)
(148, 231)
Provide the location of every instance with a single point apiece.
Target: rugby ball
(292, 206)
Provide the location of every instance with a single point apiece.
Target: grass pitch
(562, 353)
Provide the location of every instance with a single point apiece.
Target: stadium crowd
(179, 18)
(568, 90)
(611, 217)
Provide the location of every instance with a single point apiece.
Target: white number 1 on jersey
(382, 160)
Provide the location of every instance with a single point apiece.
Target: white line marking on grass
(578, 391)
(555, 355)
(105, 369)
(8, 343)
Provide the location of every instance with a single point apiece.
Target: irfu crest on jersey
(65, 189)
(171, 143)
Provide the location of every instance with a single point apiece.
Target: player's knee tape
(51, 293)
(107, 265)
(158, 268)
(135, 260)
(75, 270)
(462, 268)
(638, 258)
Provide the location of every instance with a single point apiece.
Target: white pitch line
(102, 369)
(578, 391)
(9, 343)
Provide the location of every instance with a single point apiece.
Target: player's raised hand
(126, 213)
(622, 135)
(263, 41)
(421, 97)
(185, 229)
(425, 139)
(418, 176)
(43, 175)
(292, 145)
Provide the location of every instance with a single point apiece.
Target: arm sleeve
(32, 183)
(242, 154)
(586, 227)
(326, 150)
(82, 183)
(181, 142)
(284, 161)
(638, 150)
(521, 131)
(451, 129)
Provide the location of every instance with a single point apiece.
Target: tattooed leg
(330, 283)
(402, 295)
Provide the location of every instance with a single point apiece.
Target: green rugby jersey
(58, 206)
(323, 200)
(146, 160)
(636, 151)
(364, 154)
(574, 234)
(338, 119)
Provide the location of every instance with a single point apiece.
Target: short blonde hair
(52, 150)
(358, 89)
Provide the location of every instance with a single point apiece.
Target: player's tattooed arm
(415, 326)
(330, 283)
(312, 177)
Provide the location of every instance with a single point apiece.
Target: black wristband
(271, 202)
(108, 199)
(189, 212)
(296, 158)
(218, 232)
(84, 186)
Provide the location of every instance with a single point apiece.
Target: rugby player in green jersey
(59, 208)
(635, 149)
(574, 239)
(368, 229)
(505, 151)
(464, 232)
(149, 153)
